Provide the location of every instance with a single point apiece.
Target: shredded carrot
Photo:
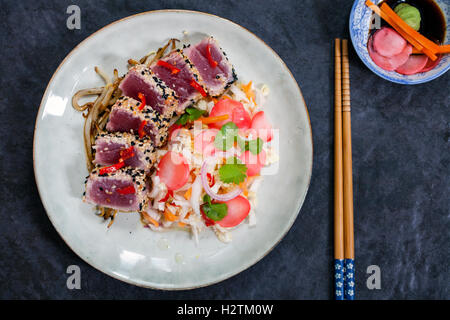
(226, 97)
(182, 224)
(187, 215)
(247, 88)
(215, 100)
(442, 49)
(214, 119)
(150, 219)
(402, 30)
(408, 29)
(188, 193)
(243, 186)
(169, 215)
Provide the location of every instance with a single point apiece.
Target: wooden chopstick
(349, 251)
(338, 177)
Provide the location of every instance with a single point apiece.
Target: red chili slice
(126, 190)
(211, 179)
(213, 63)
(166, 197)
(167, 65)
(141, 129)
(111, 168)
(143, 102)
(198, 87)
(126, 154)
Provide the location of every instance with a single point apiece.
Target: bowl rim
(375, 70)
(301, 199)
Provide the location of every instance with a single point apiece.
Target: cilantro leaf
(226, 137)
(207, 198)
(229, 126)
(215, 211)
(191, 114)
(183, 119)
(223, 141)
(255, 146)
(233, 173)
(194, 113)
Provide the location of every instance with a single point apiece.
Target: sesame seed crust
(157, 125)
(143, 147)
(135, 177)
(162, 90)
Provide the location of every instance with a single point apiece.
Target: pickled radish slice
(431, 64)
(236, 112)
(173, 170)
(253, 162)
(238, 210)
(388, 42)
(414, 64)
(262, 127)
(389, 63)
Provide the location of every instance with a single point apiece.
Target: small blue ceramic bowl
(360, 22)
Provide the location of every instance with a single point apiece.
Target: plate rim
(218, 280)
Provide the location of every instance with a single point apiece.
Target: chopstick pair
(344, 253)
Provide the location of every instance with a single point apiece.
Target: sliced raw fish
(389, 63)
(414, 64)
(125, 116)
(124, 189)
(217, 78)
(140, 79)
(111, 147)
(388, 42)
(431, 64)
(180, 82)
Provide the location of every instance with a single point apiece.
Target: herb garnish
(191, 114)
(233, 171)
(214, 211)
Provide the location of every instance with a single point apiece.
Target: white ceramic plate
(127, 251)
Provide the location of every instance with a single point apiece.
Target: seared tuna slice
(110, 148)
(125, 116)
(212, 64)
(140, 79)
(178, 76)
(124, 189)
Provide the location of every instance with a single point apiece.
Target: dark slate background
(400, 153)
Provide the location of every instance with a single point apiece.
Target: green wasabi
(409, 14)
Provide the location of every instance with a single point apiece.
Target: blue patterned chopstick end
(349, 279)
(339, 279)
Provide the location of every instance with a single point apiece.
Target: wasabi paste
(409, 14)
